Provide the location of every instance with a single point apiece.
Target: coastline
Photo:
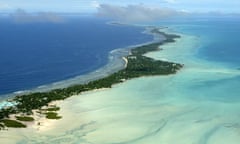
(136, 65)
(51, 127)
(115, 63)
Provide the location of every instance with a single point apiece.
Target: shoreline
(114, 64)
(136, 65)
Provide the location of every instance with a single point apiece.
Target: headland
(136, 65)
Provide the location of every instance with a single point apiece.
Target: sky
(91, 6)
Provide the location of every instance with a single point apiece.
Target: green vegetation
(52, 115)
(4, 112)
(24, 118)
(53, 109)
(12, 123)
(138, 65)
(1, 126)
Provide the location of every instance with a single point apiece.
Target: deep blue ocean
(35, 54)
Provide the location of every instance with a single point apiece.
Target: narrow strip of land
(137, 65)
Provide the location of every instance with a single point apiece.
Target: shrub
(13, 123)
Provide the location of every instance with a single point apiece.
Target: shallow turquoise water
(219, 37)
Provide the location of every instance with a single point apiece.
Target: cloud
(136, 13)
(4, 6)
(20, 16)
(95, 4)
(170, 1)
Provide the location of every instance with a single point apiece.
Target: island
(137, 65)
